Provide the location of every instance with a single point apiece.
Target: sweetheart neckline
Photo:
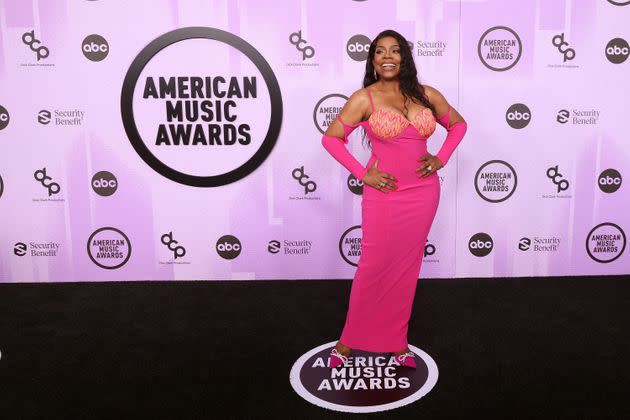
(400, 115)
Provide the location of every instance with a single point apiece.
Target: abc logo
(4, 117)
(228, 247)
(95, 47)
(480, 244)
(617, 50)
(104, 183)
(609, 181)
(358, 47)
(524, 244)
(355, 185)
(518, 116)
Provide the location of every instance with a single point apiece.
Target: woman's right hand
(382, 181)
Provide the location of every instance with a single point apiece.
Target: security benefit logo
(579, 117)
(290, 247)
(327, 109)
(64, 117)
(350, 245)
(609, 181)
(36, 249)
(50, 187)
(499, 48)
(480, 244)
(4, 118)
(174, 250)
(561, 184)
(304, 184)
(605, 242)
(369, 382)
(539, 244)
(426, 48)
(201, 107)
(495, 181)
(109, 248)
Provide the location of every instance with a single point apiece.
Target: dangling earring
(375, 75)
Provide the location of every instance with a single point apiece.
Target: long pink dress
(395, 228)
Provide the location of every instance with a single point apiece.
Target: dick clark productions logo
(370, 382)
(203, 122)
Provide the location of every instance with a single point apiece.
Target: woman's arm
(336, 135)
(450, 119)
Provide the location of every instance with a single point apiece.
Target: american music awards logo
(370, 382)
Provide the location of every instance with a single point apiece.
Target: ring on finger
(381, 184)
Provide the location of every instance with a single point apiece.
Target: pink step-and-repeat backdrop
(180, 139)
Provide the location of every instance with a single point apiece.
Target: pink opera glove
(336, 147)
(455, 135)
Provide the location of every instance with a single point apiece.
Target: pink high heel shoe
(406, 359)
(337, 359)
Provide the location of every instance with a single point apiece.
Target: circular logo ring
(294, 378)
(133, 74)
(623, 235)
(332, 95)
(477, 176)
(520, 48)
(105, 266)
(341, 244)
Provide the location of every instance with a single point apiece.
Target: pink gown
(395, 226)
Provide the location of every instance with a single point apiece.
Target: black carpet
(505, 348)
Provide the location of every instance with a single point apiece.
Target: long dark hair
(408, 76)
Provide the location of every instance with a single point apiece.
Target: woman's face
(387, 58)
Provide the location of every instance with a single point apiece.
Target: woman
(401, 195)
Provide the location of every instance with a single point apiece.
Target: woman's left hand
(429, 164)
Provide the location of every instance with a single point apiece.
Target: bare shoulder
(434, 95)
(359, 98)
(353, 112)
(357, 107)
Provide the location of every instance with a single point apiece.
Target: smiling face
(387, 58)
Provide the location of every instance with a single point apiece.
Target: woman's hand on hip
(382, 181)
(428, 165)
